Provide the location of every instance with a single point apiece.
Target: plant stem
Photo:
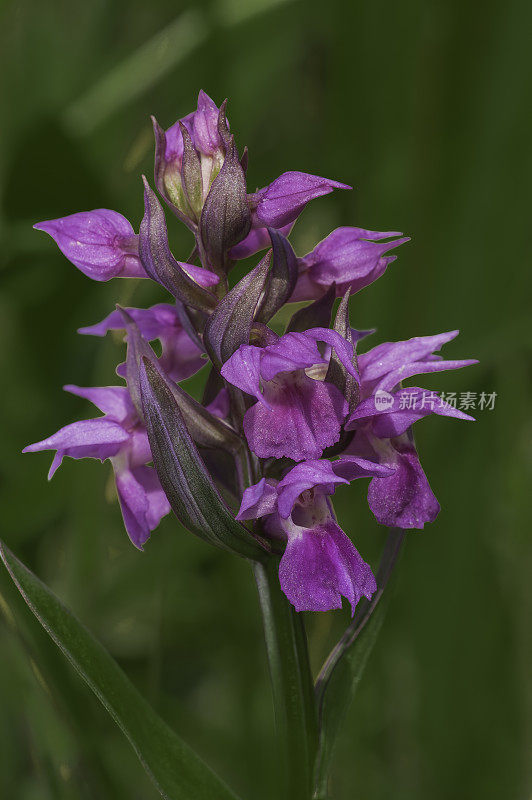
(293, 696)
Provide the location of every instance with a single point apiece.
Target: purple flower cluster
(297, 411)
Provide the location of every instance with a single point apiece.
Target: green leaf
(191, 492)
(341, 673)
(177, 772)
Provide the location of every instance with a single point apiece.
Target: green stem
(293, 696)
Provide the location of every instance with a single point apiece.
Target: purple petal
(181, 357)
(348, 255)
(307, 475)
(305, 417)
(100, 243)
(160, 318)
(114, 401)
(142, 501)
(90, 438)
(202, 276)
(390, 356)
(258, 500)
(320, 565)
(324, 475)
(343, 348)
(205, 134)
(306, 288)
(281, 202)
(292, 351)
(404, 499)
(421, 368)
(353, 467)
(152, 322)
(243, 368)
(139, 451)
(405, 407)
(174, 138)
(257, 239)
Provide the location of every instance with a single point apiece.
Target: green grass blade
(178, 773)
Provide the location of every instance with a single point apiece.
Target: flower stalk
(292, 687)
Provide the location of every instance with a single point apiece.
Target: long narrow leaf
(178, 773)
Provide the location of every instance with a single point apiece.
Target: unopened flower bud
(188, 157)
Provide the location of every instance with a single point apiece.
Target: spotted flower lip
(283, 200)
(181, 357)
(295, 416)
(120, 437)
(101, 243)
(349, 257)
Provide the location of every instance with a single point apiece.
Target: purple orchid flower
(296, 416)
(181, 357)
(384, 415)
(120, 437)
(101, 243)
(350, 257)
(282, 201)
(320, 563)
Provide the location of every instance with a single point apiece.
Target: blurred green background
(423, 107)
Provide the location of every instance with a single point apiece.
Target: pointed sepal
(230, 324)
(167, 178)
(225, 218)
(159, 262)
(282, 277)
(337, 373)
(191, 174)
